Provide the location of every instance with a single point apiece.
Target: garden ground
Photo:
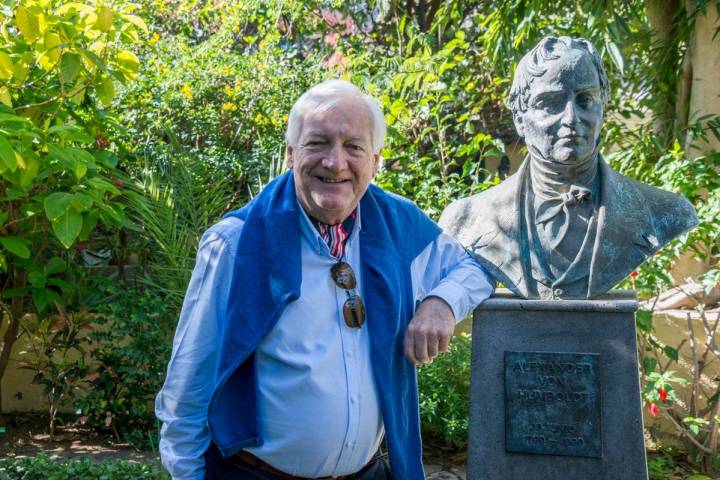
(27, 437)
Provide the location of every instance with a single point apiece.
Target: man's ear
(377, 161)
(519, 126)
(289, 156)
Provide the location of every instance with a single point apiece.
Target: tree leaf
(128, 61)
(37, 278)
(28, 175)
(70, 66)
(55, 265)
(40, 298)
(616, 56)
(56, 204)
(105, 91)
(5, 96)
(104, 18)
(82, 202)
(27, 23)
(137, 21)
(643, 320)
(16, 245)
(671, 352)
(6, 66)
(7, 154)
(80, 170)
(67, 227)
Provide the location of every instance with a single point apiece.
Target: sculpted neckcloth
(267, 276)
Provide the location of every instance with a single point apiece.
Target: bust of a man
(564, 225)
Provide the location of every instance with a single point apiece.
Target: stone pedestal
(555, 392)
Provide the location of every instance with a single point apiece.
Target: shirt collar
(313, 236)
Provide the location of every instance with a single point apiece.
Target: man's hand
(429, 331)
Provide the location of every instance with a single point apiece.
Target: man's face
(333, 162)
(565, 111)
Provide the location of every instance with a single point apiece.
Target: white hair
(324, 96)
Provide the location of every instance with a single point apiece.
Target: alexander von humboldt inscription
(552, 403)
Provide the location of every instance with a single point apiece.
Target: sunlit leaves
(104, 18)
(128, 62)
(27, 23)
(6, 66)
(105, 90)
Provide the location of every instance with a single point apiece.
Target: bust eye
(548, 103)
(585, 99)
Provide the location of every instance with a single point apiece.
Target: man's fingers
(420, 345)
(444, 343)
(410, 348)
(432, 347)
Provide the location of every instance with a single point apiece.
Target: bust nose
(569, 114)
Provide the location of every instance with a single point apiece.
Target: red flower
(662, 392)
(653, 409)
(633, 275)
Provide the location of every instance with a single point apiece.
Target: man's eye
(355, 148)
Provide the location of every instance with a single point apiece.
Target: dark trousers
(219, 468)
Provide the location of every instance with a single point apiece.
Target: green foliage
(57, 356)
(444, 389)
(43, 468)
(59, 63)
(130, 346)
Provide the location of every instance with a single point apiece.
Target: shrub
(444, 388)
(43, 468)
(131, 346)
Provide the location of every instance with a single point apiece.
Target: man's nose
(335, 159)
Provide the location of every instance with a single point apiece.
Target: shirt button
(558, 292)
(353, 400)
(349, 354)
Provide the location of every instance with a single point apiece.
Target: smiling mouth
(331, 180)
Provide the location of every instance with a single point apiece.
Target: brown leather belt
(251, 459)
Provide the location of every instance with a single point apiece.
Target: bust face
(565, 111)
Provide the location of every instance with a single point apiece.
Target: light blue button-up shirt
(320, 411)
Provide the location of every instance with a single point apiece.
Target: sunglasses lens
(343, 276)
(354, 312)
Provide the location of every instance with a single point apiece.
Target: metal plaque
(552, 404)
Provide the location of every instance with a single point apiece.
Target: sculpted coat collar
(625, 236)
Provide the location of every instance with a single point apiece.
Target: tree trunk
(19, 278)
(663, 19)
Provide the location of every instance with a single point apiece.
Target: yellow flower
(229, 106)
(185, 90)
(228, 90)
(285, 117)
(275, 121)
(154, 38)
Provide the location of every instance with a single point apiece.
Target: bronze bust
(564, 225)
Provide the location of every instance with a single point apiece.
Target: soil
(26, 436)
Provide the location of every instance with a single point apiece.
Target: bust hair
(323, 97)
(534, 64)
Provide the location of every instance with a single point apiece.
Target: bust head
(558, 99)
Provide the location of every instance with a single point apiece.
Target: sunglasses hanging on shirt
(353, 308)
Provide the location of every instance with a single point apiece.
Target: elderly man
(307, 313)
(565, 225)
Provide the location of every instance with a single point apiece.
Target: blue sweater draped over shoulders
(267, 276)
